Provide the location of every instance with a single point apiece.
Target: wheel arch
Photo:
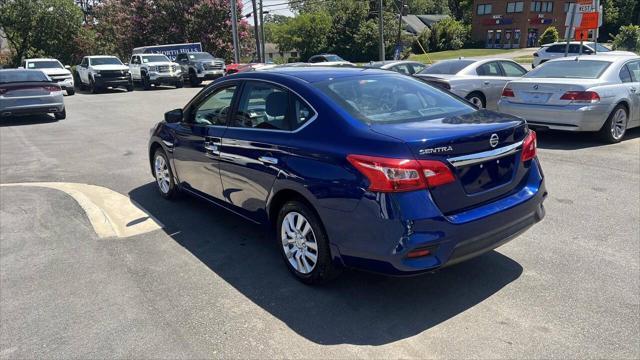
(282, 196)
(155, 145)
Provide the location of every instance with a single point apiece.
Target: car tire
(61, 115)
(164, 175)
(193, 79)
(130, 87)
(296, 243)
(146, 83)
(477, 99)
(92, 86)
(615, 127)
(71, 91)
(179, 84)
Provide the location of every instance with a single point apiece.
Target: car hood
(110, 67)
(159, 63)
(55, 71)
(617, 53)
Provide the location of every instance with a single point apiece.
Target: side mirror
(67, 67)
(126, 64)
(173, 116)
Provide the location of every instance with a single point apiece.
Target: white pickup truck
(54, 70)
(100, 72)
(155, 69)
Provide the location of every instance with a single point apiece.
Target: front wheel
(163, 175)
(193, 79)
(179, 83)
(615, 127)
(146, 83)
(93, 88)
(304, 244)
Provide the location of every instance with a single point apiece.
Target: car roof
(100, 56)
(41, 59)
(607, 58)
(312, 74)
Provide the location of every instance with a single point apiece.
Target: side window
(555, 49)
(489, 69)
(634, 69)
(403, 69)
(417, 68)
(574, 48)
(214, 109)
(84, 62)
(263, 106)
(302, 112)
(625, 75)
(512, 70)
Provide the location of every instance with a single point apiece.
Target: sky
(273, 6)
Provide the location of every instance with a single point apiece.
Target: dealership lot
(210, 284)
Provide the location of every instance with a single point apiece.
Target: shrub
(628, 38)
(448, 34)
(550, 35)
(421, 42)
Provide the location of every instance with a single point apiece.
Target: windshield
(105, 61)
(9, 76)
(578, 69)
(392, 99)
(450, 67)
(155, 58)
(47, 64)
(333, 58)
(599, 48)
(200, 56)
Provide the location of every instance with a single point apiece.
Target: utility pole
(263, 56)
(234, 29)
(381, 30)
(398, 41)
(256, 28)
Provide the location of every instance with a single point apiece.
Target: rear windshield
(48, 64)
(105, 61)
(200, 56)
(10, 76)
(154, 58)
(449, 67)
(580, 69)
(392, 99)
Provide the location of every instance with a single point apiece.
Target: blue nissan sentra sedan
(354, 168)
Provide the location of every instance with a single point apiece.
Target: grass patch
(524, 59)
(454, 54)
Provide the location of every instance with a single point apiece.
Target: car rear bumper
(383, 230)
(31, 109)
(568, 118)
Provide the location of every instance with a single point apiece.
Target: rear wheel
(304, 244)
(163, 175)
(61, 115)
(477, 99)
(615, 127)
(71, 91)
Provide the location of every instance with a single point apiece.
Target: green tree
(41, 28)
(449, 34)
(619, 13)
(305, 33)
(628, 38)
(550, 35)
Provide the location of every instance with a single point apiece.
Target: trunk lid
(484, 169)
(27, 89)
(547, 91)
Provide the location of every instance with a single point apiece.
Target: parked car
(100, 72)
(415, 179)
(330, 60)
(155, 69)
(402, 66)
(30, 92)
(55, 71)
(557, 49)
(199, 66)
(479, 81)
(589, 93)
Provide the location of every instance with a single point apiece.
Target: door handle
(268, 160)
(487, 83)
(211, 146)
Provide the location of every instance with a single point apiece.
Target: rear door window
(489, 69)
(402, 69)
(512, 70)
(625, 75)
(262, 106)
(634, 69)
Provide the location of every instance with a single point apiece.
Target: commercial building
(513, 24)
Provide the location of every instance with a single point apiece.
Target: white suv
(556, 50)
(100, 72)
(54, 70)
(155, 69)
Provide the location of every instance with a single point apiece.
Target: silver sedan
(479, 81)
(589, 93)
(29, 92)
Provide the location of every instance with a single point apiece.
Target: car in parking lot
(54, 70)
(406, 67)
(155, 69)
(587, 93)
(556, 50)
(479, 81)
(99, 72)
(199, 66)
(30, 92)
(329, 60)
(354, 168)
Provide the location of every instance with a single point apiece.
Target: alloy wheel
(619, 124)
(162, 174)
(299, 242)
(476, 101)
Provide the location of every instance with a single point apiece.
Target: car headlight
(97, 73)
(199, 66)
(153, 68)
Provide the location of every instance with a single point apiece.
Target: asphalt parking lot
(209, 284)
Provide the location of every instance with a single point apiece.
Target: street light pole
(256, 28)
(381, 30)
(263, 56)
(234, 29)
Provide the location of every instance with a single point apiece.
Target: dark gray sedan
(29, 92)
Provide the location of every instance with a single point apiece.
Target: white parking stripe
(111, 214)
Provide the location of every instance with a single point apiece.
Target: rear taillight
(397, 175)
(529, 145)
(52, 88)
(581, 97)
(507, 92)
